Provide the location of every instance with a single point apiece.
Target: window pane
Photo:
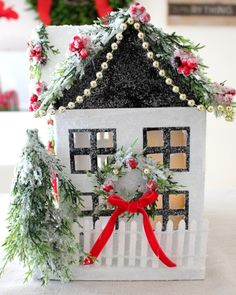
(101, 159)
(178, 138)
(155, 138)
(105, 140)
(81, 139)
(82, 163)
(88, 202)
(157, 157)
(178, 161)
(176, 220)
(177, 201)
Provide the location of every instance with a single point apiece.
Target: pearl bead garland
(119, 36)
(87, 92)
(109, 56)
(93, 84)
(71, 105)
(114, 46)
(137, 26)
(104, 66)
(79, 99)
(150, 55)
(99, 75)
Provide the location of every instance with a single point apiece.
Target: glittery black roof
(130, 81)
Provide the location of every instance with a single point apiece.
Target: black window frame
(167, 149)
(93, 151)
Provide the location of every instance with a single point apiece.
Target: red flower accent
(152, 185)
(34, 103)
(50, 122)
(34, 98)
(185, 62)
(40, 87)
(132, 163)
(223, 94)
(36, 52)
(107, 188)
(80, 45)
(139, 13)
(83, 53)
(8, 13)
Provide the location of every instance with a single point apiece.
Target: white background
(219, 54)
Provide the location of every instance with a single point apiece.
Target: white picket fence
(127, 255)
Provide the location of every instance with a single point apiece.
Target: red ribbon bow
(133, 207)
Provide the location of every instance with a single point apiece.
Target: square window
(178, 138)
(155, 138)
(176, 220)
(177, 201)
(82, 162)
(105, 140)
(88, 202)
(101, 159)
(81, 139)
(157, 157)
(178, 161)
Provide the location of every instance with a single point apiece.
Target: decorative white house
(122, 82)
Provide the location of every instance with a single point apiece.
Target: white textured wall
(219, 54)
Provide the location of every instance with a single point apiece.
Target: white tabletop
(221, 262)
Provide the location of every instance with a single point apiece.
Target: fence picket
(97, 232)
(169, 238)
(87, 233)
(132, 243)
(121, 243)
(144, 249)
(159, 234)
(180, 242)
(191, 243)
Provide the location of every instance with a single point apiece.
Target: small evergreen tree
(40, 230)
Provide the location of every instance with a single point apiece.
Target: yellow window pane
(177, 201)
(104, 139)
(157, 157)
(155, 138)
(176, 220)
(178, 161)
(178, 138)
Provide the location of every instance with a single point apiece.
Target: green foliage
(79, 13)
(40, 232)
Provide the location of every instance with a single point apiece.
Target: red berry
(34, 98)
(132, 163)
(152, 185)
(83, 53)
(107, 188)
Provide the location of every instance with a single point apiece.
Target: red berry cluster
(185, 62)
(79, 46)
(36, 52)
(34, 103)
(223, 94)
(139, 13)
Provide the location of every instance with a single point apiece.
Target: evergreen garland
(78, 13)
(40, 230)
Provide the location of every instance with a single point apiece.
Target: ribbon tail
(156, 248)
(103, 238)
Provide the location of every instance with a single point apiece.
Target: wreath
(131, 175)
(75, 12)
(151, 178)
